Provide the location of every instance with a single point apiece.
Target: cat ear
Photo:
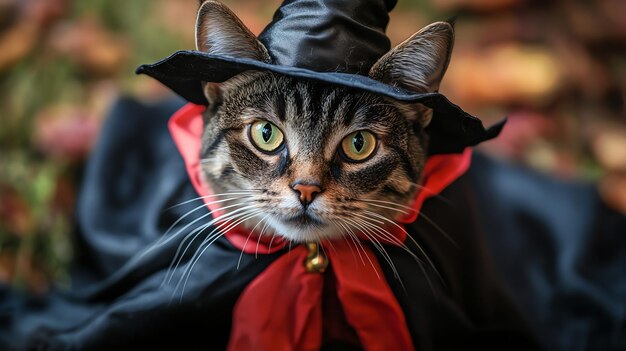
(219, 31)
(419, 63)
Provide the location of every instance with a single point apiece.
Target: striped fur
(314, 118)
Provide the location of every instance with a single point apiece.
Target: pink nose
(307, 192)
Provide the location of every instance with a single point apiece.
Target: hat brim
(451, 129)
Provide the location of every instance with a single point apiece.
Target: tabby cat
(313, 161)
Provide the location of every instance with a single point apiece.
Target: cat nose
(307, 192)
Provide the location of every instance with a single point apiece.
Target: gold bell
(315, 261)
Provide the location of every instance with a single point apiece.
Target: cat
(316, 159)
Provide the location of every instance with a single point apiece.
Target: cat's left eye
(266, 136)
(359, 146)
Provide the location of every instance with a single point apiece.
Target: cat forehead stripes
(314, 115)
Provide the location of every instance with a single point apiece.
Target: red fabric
(439, 172)
(282, 308)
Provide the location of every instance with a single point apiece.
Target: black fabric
(517, 239)
(560, 251)
(453, 298)
(330, 35)
(330, 41)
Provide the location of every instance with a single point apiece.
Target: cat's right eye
(266, 136)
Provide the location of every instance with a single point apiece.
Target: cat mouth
(304, 219)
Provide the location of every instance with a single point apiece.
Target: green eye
(359, 145)
(266, 136)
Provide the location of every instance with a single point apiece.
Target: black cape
(522, 242)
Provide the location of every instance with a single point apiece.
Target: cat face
(308, 160)
(312, 155)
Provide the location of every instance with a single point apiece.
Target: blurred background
(556, 68)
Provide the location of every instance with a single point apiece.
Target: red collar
(281, 308)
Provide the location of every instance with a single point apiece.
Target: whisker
(164, 239)
(389, 208)
(246, 243)
(439, 229)
(409, 208)
(219, 219)
(176, 261)
(364, 252)
(199, 207)
(206, 243)
(272, 240)
(433, 193)
(205, 215)
(239, 192)
(419, 247)
(405, 248)
(256, 251)
(364, 230)
(385, 234)
(197, 220)
(412, 209)
(333, 249)
(355, 241)
(267, 224)
(357, 245)
(343, 232)
(352, 236)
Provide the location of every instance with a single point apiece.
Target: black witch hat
(332, 41)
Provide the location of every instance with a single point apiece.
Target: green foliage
(37, 187)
